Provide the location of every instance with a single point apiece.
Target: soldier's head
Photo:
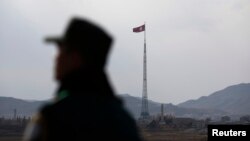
(84, 45)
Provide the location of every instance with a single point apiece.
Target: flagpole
(146, 81)
(144, 113)
(144, 108)
(145, 66)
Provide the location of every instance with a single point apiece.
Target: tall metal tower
(144, 108)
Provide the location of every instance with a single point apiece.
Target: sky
(194, 47)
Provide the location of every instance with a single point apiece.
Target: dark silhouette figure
(85, 106)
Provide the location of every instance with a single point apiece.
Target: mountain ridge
(234, 99)
(219, 103)
(131, 103)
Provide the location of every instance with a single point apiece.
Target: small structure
(15, 115)
(162, 119)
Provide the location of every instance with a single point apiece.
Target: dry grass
(172, 135)
(11, 138)
(150, 135)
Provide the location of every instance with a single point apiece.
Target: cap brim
(54, 39)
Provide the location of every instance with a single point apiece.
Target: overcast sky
(195, 47)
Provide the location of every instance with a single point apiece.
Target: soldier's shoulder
(52, 107)
(46, 108)
(49, 107)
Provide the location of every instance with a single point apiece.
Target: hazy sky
(195, 47)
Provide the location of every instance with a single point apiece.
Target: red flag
(139, 29)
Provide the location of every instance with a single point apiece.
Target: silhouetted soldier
(85, 106)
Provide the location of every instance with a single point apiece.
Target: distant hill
(233, 99)
(133, 104)
(23, 107)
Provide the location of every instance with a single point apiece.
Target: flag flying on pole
(139, 29)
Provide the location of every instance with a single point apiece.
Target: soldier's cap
(87, 38)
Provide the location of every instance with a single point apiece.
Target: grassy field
(10, 138)
(150, 135)
(172, 135)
